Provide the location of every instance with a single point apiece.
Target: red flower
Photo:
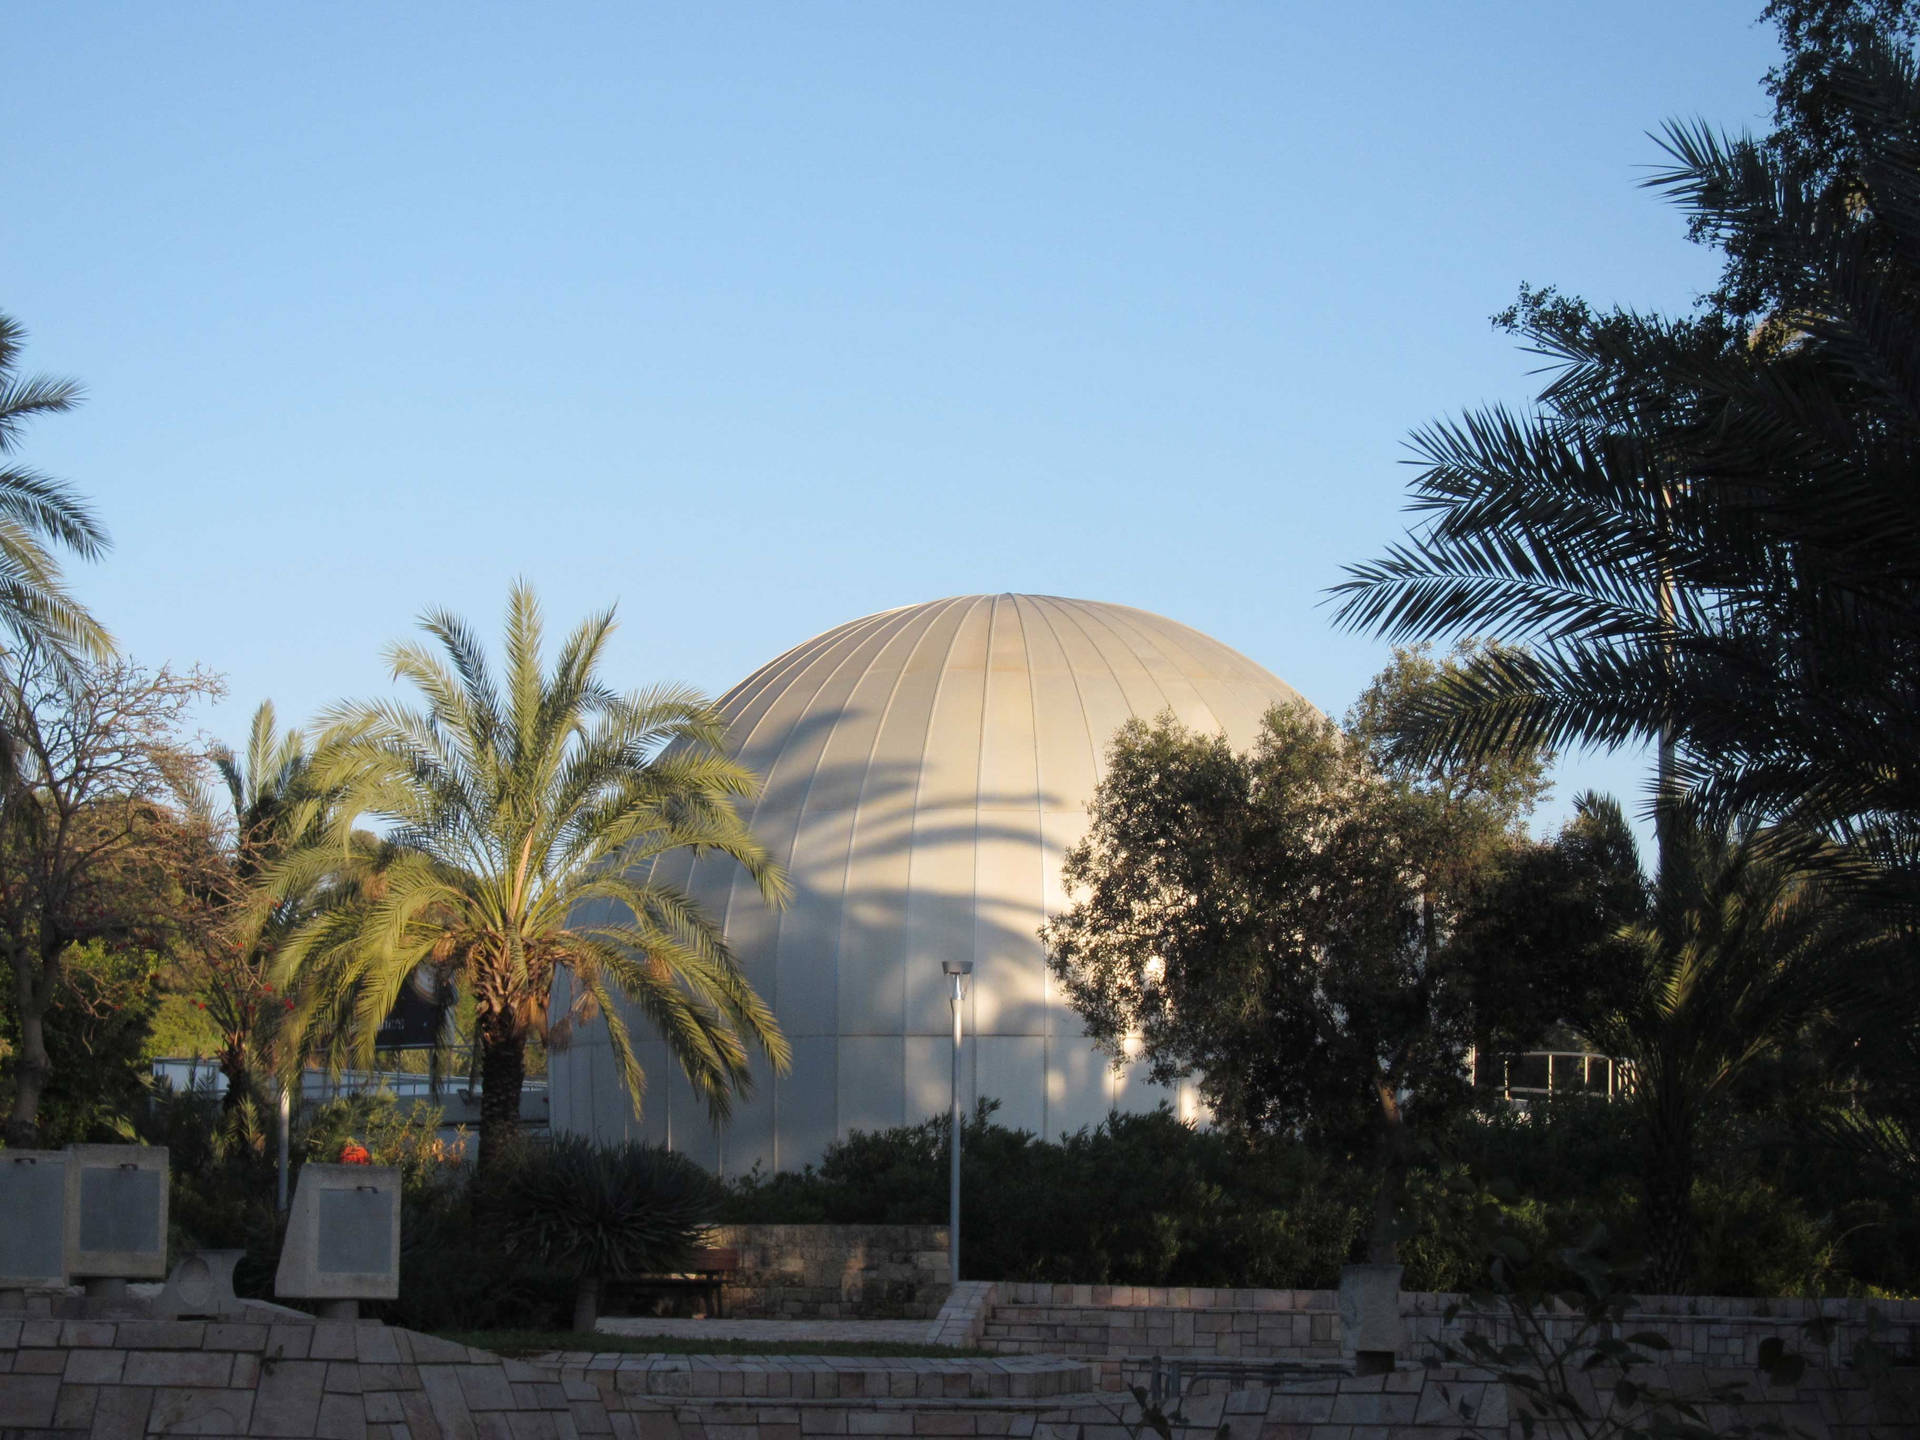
(354, 1153)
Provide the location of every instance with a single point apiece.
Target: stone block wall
(834, 1272)
(1116, 1320)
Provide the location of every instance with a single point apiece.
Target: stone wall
(270, 1373)
(833, 1272)
(1121, 1320)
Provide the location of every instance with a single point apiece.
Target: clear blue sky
(757, 318)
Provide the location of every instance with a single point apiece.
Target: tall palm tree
(1707, 534)
(273, 811)
(521, 815)
(1742, 950)
(38, 515)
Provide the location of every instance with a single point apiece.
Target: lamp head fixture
(957, 967)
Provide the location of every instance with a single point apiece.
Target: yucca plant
(604, 1212)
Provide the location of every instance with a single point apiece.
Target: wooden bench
(707, 1273)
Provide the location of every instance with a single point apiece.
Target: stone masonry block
(335, 1340)
(485, 1387)
(383, 1408)
(343, 1377)
(289, 1342)
(342, 1417)
(200, 1412)
(161, 1334)
(449, 1404)
(190, 1368)
(27, 1401)
(377, 1345)
(74, 1411)
(419, 1412)
(94, 1367)
(39, 1362)
(288, 1400)
(121, 1412)
(239, 1336)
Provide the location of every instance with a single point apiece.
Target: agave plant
(605, 1212)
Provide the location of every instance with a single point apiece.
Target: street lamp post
(957, 972)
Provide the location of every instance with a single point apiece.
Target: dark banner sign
(418, 1017)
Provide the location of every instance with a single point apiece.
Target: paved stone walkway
(879, 1332)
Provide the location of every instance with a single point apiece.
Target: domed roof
(925, 771)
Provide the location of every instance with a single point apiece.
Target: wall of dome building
(926, 769)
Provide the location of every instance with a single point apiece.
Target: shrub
(599, 1212)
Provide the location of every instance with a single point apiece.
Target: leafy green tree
(1705, 537)
(1539, 945)
(37, 514)
(1278, 921)
(95, 834)
(521, 815)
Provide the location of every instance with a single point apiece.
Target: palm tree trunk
(1383, 1246)
(31, 1070)
(503, 1068)
(586, 1302)
(1667, 1202)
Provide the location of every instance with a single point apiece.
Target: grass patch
(539, 1342)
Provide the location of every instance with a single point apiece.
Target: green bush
(603, 1212)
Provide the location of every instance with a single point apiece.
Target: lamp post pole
(957, 972)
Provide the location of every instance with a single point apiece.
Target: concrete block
(39, 1362)
(200, 1412)
(379, 1345)
(201, 1284)
(116, 1223)
(420, 1422)
(246, 1372)
(389, 1377)
(485, 1387)
(77, 1333)
(94, 1367)
(289, 1342)
(33, 1197)
(343, 1235)
(335, 1340)
(288, 1400)
(188, 1368)
(343, 1377)
(120, 1413)
(236, 1336)
(342, 1417)
(442, 1386)
(74, 1410)
(27, 1401)
(383, 1407)
(532, 1425)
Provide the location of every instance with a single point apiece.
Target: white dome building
(925, 771)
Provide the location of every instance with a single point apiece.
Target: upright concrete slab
(343, 1235)
(117, 1211)
(33, 1200)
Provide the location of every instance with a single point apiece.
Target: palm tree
(521, 816)
(1707, 534)
(38, 514)
(267, 796)
(1741, 951)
